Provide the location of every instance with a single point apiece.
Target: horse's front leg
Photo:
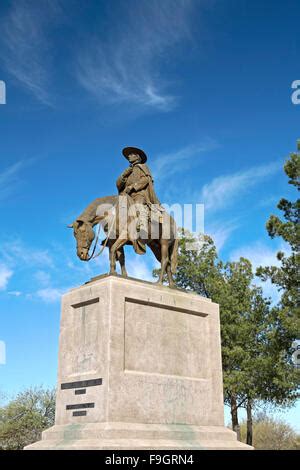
(170, 276)
(164, 259)
(112, 260)
(117, 246)
(121, 259)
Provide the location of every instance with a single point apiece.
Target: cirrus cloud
(125, 66)
(5, 274)
(223, 190)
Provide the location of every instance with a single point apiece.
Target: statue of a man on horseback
(153, 226)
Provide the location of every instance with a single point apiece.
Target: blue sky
(204, 87)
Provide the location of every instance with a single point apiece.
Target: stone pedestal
(139, 368)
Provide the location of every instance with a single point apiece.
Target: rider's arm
(121, 181)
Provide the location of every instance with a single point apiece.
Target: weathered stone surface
(122, 436)
(139, 368)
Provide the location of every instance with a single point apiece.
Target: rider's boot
(142, 226)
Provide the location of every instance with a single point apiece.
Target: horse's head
(84, 234)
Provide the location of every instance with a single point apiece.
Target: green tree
(254, 335)
(271, 434)
(24, 418)
(264, 376)
(198, 268)
(286, 276)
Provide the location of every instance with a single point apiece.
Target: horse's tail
(174, 255)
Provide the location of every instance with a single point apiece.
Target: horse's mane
(89, 212)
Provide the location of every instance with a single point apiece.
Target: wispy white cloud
(42, 277)
(221, 232)
(125, 67)
(16, 252)
(10, 178)
(139, 269)
(18, 257)
(25, 49)
(258, 253)
(49, 294)
(168, 164)
(15, 293)
(223, 190)
(40, 274)
(5, 274)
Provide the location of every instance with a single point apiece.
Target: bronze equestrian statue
(134, 217)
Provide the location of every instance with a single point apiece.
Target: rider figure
(137, 182)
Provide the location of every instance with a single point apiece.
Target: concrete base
(132, 436)
(139, 368)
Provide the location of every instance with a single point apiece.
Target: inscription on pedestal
(79, 413)
(81, 384)
(79, 406)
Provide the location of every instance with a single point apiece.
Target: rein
(93, 256)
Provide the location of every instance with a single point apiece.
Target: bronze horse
(164, 248)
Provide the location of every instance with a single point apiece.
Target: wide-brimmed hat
(128, 150)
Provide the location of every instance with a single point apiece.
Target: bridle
(93, 256)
